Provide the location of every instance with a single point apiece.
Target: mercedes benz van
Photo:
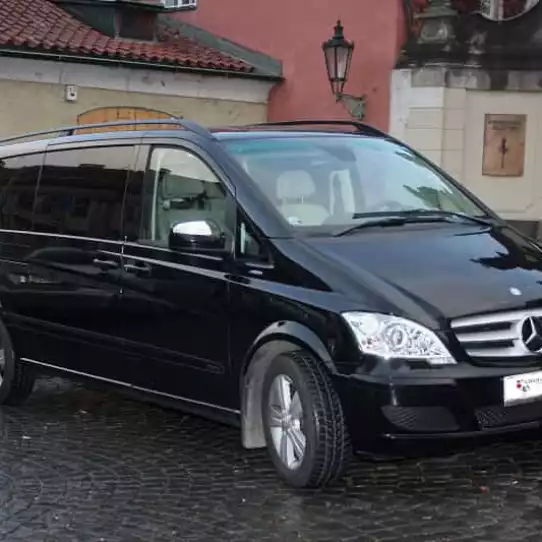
(319, 284)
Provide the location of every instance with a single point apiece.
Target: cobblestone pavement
(83, 465)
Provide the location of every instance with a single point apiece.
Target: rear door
(70, 295)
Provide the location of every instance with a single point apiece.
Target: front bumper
(429, 405)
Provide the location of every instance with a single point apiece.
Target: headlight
(391, 337)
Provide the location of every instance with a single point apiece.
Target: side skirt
(199, 408)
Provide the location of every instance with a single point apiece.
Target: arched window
(119, 113)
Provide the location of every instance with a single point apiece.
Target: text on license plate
(522, 387)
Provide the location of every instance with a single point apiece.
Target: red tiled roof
(43, 26)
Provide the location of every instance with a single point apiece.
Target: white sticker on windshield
(294, 221)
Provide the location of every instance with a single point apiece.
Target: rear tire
(303, 420)
(16, 379)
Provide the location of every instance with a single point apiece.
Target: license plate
(523, 387)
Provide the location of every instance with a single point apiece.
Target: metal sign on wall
(504, 145)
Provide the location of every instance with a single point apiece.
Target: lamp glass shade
(338, 56)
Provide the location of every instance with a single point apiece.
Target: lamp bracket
(355, 105)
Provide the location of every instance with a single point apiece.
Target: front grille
(495, 336)
(499, 416)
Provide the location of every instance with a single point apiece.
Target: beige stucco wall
(447, 125)
(28, 106)
(33, 94)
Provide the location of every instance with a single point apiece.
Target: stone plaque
(504, 145)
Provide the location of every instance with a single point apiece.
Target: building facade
(293, 32)
(62, 63)
(468, 94)
(471, 102)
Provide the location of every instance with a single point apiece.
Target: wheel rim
(285, 413)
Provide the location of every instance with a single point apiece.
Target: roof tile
(41, 24)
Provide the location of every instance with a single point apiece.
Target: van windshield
(336, 180)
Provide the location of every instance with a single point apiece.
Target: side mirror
(196, 234)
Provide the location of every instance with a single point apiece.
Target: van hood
(447, 270)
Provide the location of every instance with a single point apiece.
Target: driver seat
(293, 188)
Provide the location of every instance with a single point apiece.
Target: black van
(319, 284)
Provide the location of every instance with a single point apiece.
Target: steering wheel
(343, 218)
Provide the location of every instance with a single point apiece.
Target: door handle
(105, 264)
(137, 268)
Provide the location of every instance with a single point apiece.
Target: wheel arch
(276, 339)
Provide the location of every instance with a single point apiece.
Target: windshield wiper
(413, 217)
(444, 215)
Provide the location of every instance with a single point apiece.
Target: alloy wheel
(285, 413)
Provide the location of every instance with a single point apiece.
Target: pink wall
(293, 31)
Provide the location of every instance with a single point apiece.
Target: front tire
(304, 424)
(16, 379)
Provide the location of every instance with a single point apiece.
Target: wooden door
(114, 114)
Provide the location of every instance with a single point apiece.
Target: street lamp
(338, 56)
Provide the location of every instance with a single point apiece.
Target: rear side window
(81, 191)
(18, 178)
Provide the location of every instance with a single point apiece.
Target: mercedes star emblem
(531, 334)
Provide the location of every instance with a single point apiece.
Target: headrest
(294, 185)
(174, 186)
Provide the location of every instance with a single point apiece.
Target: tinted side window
(18, 178)
(81, 191)
(177, 186)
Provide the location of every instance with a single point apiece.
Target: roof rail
(70, 130)
(360, 126)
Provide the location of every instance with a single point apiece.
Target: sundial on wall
(505, 10)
